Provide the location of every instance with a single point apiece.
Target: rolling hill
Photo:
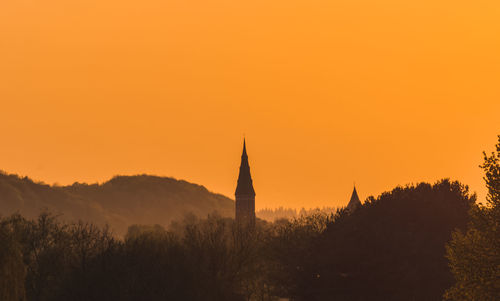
(119, 202)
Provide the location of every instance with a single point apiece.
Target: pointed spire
(245, 185)
(354, 203)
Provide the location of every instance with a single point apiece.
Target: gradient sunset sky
(327, 92)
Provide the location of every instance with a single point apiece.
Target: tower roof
(354, 202)
(245, 185)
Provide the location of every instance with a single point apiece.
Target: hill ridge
(120, 201)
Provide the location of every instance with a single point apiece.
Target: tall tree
(474, 256)
(12, 269)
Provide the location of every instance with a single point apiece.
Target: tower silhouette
(354, 203)
(245, 194)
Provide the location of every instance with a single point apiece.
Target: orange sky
(327, 92)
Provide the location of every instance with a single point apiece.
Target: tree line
(273, 214)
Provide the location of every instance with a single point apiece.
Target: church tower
(245, 194)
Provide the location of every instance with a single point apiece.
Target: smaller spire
(354, 203)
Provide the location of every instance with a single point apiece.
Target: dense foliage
(119, 202)
(392, 248)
